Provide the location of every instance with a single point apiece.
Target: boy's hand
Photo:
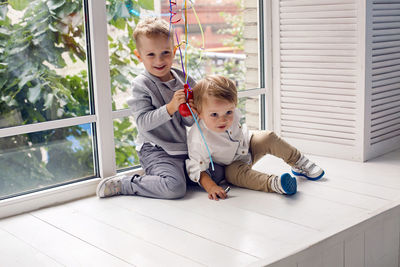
(178, 98)
(216, 192)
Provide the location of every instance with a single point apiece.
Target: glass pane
(43, 73)
(124, 137)
(42, 159)
(229, 29)
(250, 109)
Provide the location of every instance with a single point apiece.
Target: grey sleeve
(146, 115)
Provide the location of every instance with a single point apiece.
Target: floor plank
(15, 252)
(60, 246)
(161, 232)
(117, 242)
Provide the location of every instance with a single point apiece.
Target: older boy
(156, 96)
(230, 144)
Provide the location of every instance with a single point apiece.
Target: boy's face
(157, 54)
(217, 114)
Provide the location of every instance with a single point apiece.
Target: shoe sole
(308, 177)
(289, 184)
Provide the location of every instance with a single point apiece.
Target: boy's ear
(137, 54)
(176, 47)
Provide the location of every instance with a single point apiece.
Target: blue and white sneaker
(285, 185)
(308, 169)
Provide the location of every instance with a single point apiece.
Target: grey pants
(165, 175)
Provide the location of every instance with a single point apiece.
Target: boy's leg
(266, 142)
(241, 174)
(164, 178)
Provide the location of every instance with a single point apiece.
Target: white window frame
(104, 116)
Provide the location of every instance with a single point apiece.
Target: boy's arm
(146, 115)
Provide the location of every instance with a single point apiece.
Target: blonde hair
(152, 27)
(217, 86)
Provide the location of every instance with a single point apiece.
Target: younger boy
(156, 96)
(229, 143)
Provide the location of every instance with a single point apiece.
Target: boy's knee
(270, 136)
(175, 189)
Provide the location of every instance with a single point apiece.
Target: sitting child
(229, 144)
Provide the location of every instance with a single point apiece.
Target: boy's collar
(175, 73)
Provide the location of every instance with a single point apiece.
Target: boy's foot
(305, 167)
(285, 185)
(109, 187)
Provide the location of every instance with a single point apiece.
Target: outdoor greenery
(39, 42)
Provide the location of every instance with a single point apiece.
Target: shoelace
(306, 168)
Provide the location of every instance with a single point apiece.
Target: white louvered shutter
(383, 76)
(337, 76)
(317, 75)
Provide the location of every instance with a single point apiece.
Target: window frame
(102, 115)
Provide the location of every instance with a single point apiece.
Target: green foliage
(236, 27)
(124, 134)
(36, 86)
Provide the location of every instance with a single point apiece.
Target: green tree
(34, 87)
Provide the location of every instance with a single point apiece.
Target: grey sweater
(154, 124)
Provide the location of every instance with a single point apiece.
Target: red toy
(183, 108)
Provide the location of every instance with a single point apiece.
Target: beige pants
(261, 143)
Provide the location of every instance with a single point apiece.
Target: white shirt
(225, 147)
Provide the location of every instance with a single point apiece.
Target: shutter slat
(315, 89)
(319, 21)
(336, 72)
(317, 132)
(314, 2)
(385, 82)
(344, 85)
(385, 63)
(384, 113)
(384, 51)
(319, 126)
(319, 114)
(330, 78)
(319, 120)
(385, 88)
(322, 139)
(318, 59)
(385, 137)
(319, 96)
(317, 102)
(315, 65)
(338, 110)
(314, 8)
(386, 126)
(386, 94)
(318, 27)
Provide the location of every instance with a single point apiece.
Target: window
(51, 120)
(43, 86)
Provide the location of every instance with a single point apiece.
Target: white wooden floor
(245, 229)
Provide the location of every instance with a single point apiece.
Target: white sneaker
(305, 167)
(285, 184)
(110, 186)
